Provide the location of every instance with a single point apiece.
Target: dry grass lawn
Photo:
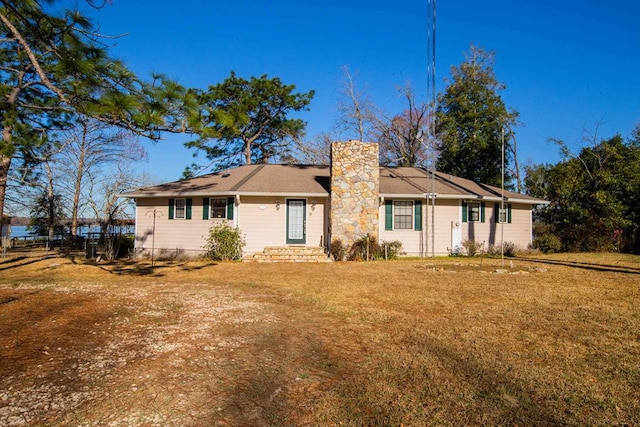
(553, 341)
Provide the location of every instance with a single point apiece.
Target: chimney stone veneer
(355, 190)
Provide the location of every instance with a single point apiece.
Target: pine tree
(470, 120)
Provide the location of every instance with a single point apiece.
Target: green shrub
(224, 243)
(338, 250)
(547, 243)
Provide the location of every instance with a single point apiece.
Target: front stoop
(289, 254)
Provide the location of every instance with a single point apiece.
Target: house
(311, 206)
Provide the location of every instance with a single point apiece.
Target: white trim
(412, 214)
(224, 193)
(383, 196)
(304, 220)
(226, 207)
(175, 208)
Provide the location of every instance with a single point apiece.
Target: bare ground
(155, 354)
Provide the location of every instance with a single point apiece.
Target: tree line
(71, 115)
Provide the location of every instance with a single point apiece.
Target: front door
(296, 221)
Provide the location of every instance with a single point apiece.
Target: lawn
(450, 341)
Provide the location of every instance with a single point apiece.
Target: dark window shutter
(205, 208)
(189, 202)
(465, 211)
(497, 213)
(509, 213)
(417, 220)
(172, 204)
(388, 215)
(230, 205)
(482, 212)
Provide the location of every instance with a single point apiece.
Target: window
(503, 215)
(402, 214)
(180, 208)
(474, 211)
(218, 209)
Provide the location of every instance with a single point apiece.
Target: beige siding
(264, 225)
(412, 240)
(418, 243)
(447, 219)
(257, 217)
(492, 233)
(520, 230)
(171, 236)
(448, 223)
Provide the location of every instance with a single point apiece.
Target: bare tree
(316, 152)
(90, 147)
(356, 111)
(401, 137)
(104, 195)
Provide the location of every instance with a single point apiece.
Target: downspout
(237, 213)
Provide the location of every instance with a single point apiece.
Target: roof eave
(147, 195)
(464, 197)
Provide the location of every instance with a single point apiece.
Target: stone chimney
(355, 190)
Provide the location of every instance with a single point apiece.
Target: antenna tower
(431, 131)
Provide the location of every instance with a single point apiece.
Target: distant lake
(21, 230)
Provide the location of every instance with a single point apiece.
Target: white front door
(296, 221)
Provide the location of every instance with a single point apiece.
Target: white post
(502, 206)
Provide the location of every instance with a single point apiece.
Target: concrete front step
(289, 254)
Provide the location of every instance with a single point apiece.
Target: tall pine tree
(470, 118)
(54, 68)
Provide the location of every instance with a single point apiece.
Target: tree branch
(32, 57)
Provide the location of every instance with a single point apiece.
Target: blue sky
(567, 64)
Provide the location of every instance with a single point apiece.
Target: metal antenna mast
(431, 98)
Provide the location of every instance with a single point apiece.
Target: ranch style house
(303, 207)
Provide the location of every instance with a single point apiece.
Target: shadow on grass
(585, 265)
(22, 261)
(135, 268)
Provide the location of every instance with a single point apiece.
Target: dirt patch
(160, 354)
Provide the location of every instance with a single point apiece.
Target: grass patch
(553, 341)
